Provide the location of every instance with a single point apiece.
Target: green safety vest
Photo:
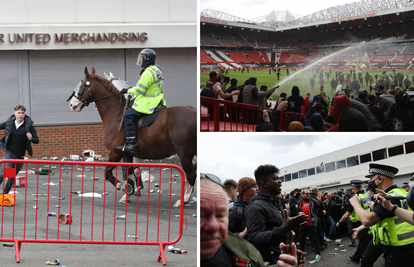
(364, 199)
(149, 90)
(395, 231)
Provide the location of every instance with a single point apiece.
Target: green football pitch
(302, 80)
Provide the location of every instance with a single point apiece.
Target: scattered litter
(145, 176)
(65, 218)
(172, 157)
(20, 181)
(39, 195)
(173, 249)
(80, 176)
(13, 193)
(57, 206)
(195, 200)
(95, 178)
(55, 262)
(51, 213)
(76, 192)
(343, 250)
(90, 195)
(159, 191)
(177, 216)
(54, 158)
(173, 182)
(74, 157)
(336, 249)
(334, 253)
(8, 244)
(29, 171)
(177, 204)
(51, 183)
(105, 193)
(341, 245)
(90, 159)
(122, 217)
(156, 185)
(312, 262)
(34, 207)
(59, 197)
(132, 236)
(188, 205)
(194, 215)
(191, 202)
(174, 175)
(151, 191)
(338, 241)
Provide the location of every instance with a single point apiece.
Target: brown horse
(174, 131)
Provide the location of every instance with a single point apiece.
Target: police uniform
(392, 236)
(149, 93)
(356, 222)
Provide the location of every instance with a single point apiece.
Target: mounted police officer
(356, 222)
(149, 93)
(392, 236)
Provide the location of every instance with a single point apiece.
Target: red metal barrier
(227, 116)
(287, 117)
(97, 217)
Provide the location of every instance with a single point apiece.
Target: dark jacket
(313, 209)
(264, 219)
(237, 219)
(28, 123)
(293, 201)
(320, 207)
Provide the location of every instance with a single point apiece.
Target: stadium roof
(355, 10)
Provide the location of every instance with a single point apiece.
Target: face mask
(372, 186)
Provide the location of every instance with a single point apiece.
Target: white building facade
(335, 170)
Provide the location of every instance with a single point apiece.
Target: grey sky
(237, 155)
(250, 9)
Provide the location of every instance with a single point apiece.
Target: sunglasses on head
(212, 178)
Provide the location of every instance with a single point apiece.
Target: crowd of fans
(388, 105)
(261, 219)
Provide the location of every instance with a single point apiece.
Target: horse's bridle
(82, 88)
(78, 96)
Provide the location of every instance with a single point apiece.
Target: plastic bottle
(51, 214)
(122, 217)
(76, 192)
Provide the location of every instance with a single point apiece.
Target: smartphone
(289, 240)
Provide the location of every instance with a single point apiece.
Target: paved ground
(97, 213)
(337, 256)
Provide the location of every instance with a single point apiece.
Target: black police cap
(356, 182)
(381, 169)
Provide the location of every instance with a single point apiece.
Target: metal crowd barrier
(73, 204)
(222, 115)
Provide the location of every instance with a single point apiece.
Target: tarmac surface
(336, 256)
(148, 217)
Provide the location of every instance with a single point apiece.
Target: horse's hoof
(119, 186)
(124, 199)
(137, 191)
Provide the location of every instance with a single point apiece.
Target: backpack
(208, 92)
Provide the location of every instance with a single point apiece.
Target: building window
(352, 161)
(365, 158)
(340, 164)
(320, 169)
(282, 178)
(330, 166)
(295, 176)
(394, 151)
(311, 171)
(409, 147)
(302, 174)
(379, 154)
(288, 177)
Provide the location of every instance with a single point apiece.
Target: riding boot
(131, 146)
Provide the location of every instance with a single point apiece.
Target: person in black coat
(267, 224)
(18, 137)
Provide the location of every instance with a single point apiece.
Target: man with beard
(267, 223)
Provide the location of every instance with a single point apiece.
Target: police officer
(149, 93)
(356, 222)
(412, 177)
(405, 186)
(392, 236)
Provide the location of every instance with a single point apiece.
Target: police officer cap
(385, 170)
(405, 185)
(356, 182)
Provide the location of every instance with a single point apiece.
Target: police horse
(174, 131)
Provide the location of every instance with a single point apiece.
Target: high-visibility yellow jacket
(395, 231)
(149, 90)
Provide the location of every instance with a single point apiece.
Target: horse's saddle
(146, 119)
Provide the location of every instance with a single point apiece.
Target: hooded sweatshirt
(340, 104)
